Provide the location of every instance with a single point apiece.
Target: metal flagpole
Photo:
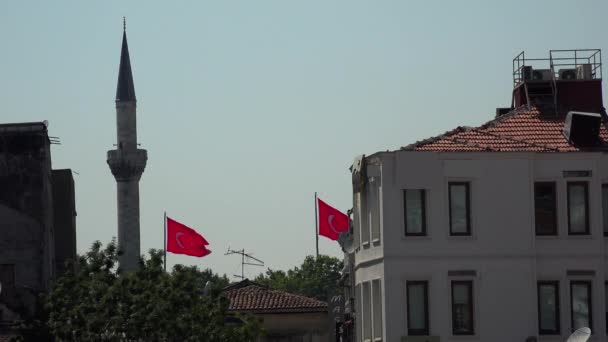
(316, 225)
(165, 245)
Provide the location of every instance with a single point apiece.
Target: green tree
(99, 303)
(316, 277)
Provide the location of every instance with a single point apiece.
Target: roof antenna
(124, 23)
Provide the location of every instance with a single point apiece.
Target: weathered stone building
(33, 230)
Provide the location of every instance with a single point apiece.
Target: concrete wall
(21, 249)
(25, 180)
(503, 250)
(64, 221)
(295, 327)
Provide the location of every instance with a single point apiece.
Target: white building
(494, 233)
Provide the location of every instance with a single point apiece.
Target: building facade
(493, 233)
(37, 216)
(127, 163)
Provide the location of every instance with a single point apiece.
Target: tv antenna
(250, 260)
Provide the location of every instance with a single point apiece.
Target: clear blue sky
(247, 108)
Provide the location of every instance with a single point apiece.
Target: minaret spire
(125, 90)
(127, 163)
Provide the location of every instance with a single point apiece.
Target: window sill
(580, 236)
(415, 237)
(547, 236)
(464, 337)
(376, 242)
(378, 339)
(462, 237)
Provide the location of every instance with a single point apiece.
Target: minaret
(127, 163)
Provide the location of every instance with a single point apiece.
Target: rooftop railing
(588, 61)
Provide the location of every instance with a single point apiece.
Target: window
(377, 302)
(414, 207)
(359, 311)
(578, 208)
(606, 304)
(462, 307)
(548, 308)
(374, 208)
(357, 219)
(417, 307)
(459, 208)
(605, 208)
(7, 280)
(363, 219)
(545, 208)
(367, 312)
(580, 304)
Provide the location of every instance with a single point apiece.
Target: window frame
(555, 215)
(587, 228)
(589, 285)
(604, 216)
(555, 284)
(375, 229)
(426, 329)
(423, 198)
(367, 311)
(468, 209)
(606, 304)
(470, 302)
(377, 314)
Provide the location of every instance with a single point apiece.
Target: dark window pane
(417, 308)
(580, 294)
(459, 208)
(548, 302)
(577, 208)
(605, 208)
(606, 304)
(545, 208)
(462, 308)
(414, 212)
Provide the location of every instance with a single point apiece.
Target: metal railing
(559, 60)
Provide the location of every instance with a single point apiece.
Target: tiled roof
(251, 297)
(521, 130)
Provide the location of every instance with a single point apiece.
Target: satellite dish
(580, 335)
(346, 241)
(46, 123)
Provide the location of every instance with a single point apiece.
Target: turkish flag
(185, 240)
(331, 221)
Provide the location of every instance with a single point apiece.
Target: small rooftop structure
(566, 80)
(557, 106)
(248, 296)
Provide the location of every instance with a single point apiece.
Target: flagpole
(165, 244)
(316, 225)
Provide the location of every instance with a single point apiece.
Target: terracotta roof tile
(256, 298)
(521, 130)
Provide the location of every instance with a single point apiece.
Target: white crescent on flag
(179, 243)
(331, 225)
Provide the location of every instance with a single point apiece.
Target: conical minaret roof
(125, 90)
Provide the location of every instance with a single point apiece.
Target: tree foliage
(99, 303)
(316, 277)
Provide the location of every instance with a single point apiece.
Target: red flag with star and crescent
(331, 221)
(185, 240)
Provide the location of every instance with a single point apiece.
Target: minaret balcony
(127, 165)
